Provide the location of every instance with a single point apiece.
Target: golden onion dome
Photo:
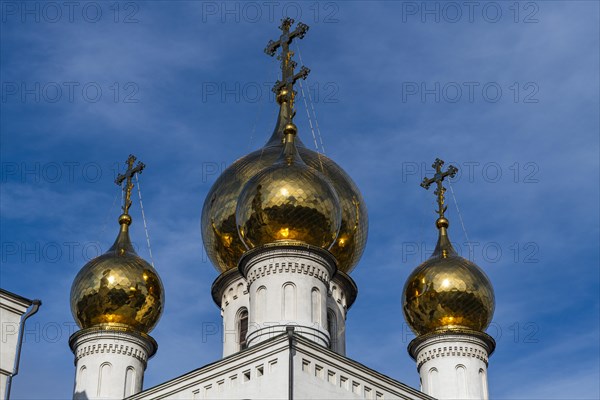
(118, 288)
(288, 201)
(219, 231)
(447, 292)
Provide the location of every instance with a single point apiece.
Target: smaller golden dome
(447, 292)
(288, 201)
(118, 288)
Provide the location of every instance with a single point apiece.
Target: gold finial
(284, 89)
(131, 171)
(438, 178)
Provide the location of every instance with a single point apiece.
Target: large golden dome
(447, 292)
(219, 232)
(118, 288)
(288, 201)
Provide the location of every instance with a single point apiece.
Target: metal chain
(309, 118)
(137, 181)
(312, 109)
(461, 221)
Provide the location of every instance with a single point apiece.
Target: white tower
(288, 285)
(453, 364)
(230, 292)
(116, 299)
(284, 226)
(448, 302)
(109, 363)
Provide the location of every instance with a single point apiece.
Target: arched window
(80, 383)
(461, 381)
(239, 290)
(261, 305)
(433, 382)
(332, 328)
(104, 380)
(289, 301)
(129, 382)
(242, 327)
(484, 388)
(316, 307)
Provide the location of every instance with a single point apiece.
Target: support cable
(472, 256)
(137, 181)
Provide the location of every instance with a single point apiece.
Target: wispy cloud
(365, 60)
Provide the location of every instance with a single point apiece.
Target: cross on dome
(285, 86)
(128, 175)
(438, 178)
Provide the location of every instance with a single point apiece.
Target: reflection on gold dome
(223, 246)
(288, 201)
(118, 287)
(446, 292)
(219, 232)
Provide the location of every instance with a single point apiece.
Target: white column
(453, 365)
(12, 308)
(342, 293)
(230, 293)
(109, 364)
(288, 285)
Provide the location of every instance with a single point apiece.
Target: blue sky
(508, 92)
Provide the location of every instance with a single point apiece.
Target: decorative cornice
(13, 302)
(113, 348)
(375, 378)
(451, 343)
(222, 283)
(347, 284)
(312, 261)
(316, 270)
(102, 339)
(451, 351)
(290, 249)
(269, 349)
(220, 368)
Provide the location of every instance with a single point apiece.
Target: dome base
(110, 361)
(453, 363)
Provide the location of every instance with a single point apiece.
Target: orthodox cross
(287, 64)
(438, 178)
(131, 171)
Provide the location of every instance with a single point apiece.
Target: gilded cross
(128, 175)
(287, 64)
(438, 178)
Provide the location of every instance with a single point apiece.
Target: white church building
(284, 226)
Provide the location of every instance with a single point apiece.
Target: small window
(319, 371)
(331, 377)
(305, 365)
(242, 328)
(344, 382)
(272, 365)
